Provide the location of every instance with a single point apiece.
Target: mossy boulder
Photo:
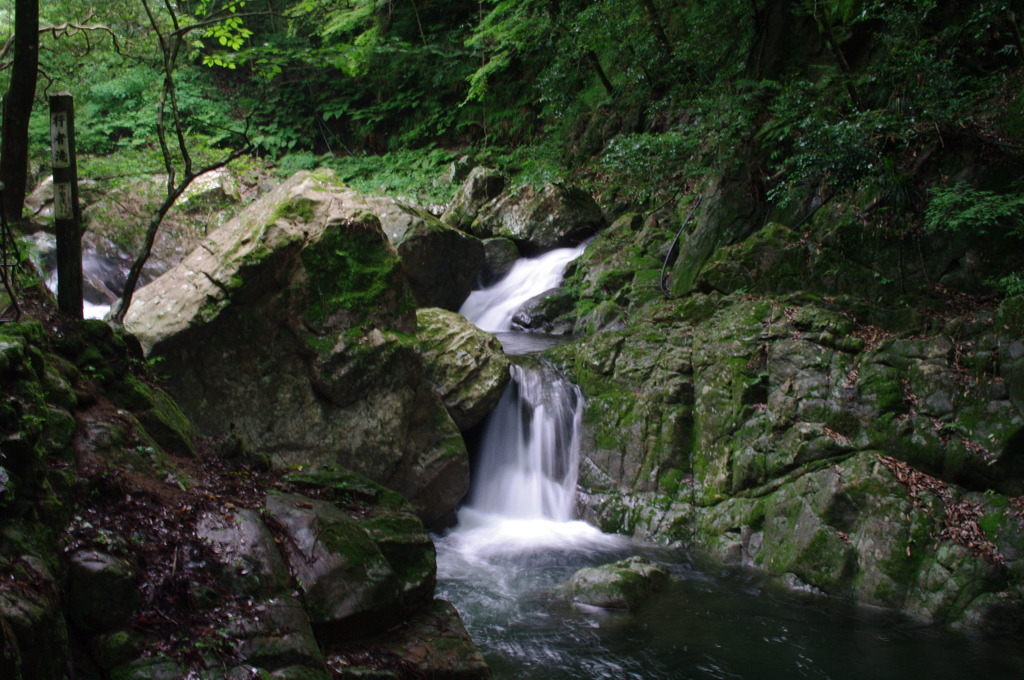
(345, 579)
(388, 519)
(33, 632)
(540, 219)
(548, 312)
(466, 365)
(480, 186)
(621, 585)
(292, 330)
(620, 271)
(727, 214)
(500, 254)
(251, 561)
(103, 590)
(440, 262)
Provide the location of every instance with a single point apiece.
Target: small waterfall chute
(530, 450)
(491, 309)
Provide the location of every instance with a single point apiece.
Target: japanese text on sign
(59, 139)
(62, 200)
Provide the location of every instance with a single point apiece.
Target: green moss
(347, 487)
(298, 209)
(670, 480)
(348, 540)
(352, 267)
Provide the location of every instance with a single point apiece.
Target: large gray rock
(480, 187)
(539, 220)
(440, 262)
(466, 365)
(345, 579)
(279, 636)
(390, 522)
(289, 328)
(245, 547)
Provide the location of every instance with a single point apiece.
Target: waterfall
(523, 494)
(491, 309)
(530, 451)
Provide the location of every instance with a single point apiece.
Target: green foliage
(1010, 285)
(963, 209)
(411, 174)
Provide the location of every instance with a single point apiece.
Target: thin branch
(65, 30)
(173, 194)
(170, 46)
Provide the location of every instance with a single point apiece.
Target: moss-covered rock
(480, 186)
(466, 365)
(345, 579)
(540, 219)
(621, 585)
(102, 590)
(433, 642)
(388, 519)
(770, 418)
(292, 330)
(32, 627)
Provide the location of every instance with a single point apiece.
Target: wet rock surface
(466, 365)
(620, 585)
(189, 557)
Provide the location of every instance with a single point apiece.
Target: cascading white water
(491, 309)
(523, 495)
(530, 452)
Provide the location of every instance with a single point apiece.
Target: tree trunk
(18, 106)
(601, 75)
(781, 39)
(657, 27)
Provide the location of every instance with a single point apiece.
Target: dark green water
(710, 623)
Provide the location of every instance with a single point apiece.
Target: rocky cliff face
(866, 443)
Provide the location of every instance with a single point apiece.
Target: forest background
(637, 100)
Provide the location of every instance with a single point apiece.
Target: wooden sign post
(67, 214)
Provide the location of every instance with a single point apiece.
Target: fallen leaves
(960, 524)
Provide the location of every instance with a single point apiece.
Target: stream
(517, 542)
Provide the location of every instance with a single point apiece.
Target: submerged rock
(621, 585)
(431, 644)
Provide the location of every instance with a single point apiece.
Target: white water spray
(491, 309)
